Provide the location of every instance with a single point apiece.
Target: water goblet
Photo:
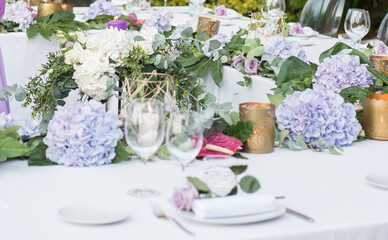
(272, 11)
(357, 24)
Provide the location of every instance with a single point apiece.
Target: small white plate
(92, 214)
(378, 179)
(279, 211)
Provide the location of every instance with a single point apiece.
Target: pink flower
(30, 8)
(296, 28)
(378, 92)
(358, 105)
(141, 21)
(221, 11)
(379, 47)
(183, 198)
(251, 66)
(236, 60)
(221, 140)
(34, 15)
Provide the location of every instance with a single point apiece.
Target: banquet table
(329, 188)
(23, 56)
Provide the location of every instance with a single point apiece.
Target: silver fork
(157, 210)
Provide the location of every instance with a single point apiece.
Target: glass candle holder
(375, 116)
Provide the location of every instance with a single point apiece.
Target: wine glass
(272, 11)
(144, 129)
(357, 24)
(382, 34)
(184, 137)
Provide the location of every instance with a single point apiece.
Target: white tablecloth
(22, 57)
(331, 189)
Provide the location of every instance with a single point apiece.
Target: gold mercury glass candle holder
(375, 116)
(48, 8)
(380, 63)
(67, 7)
(262, 139)
(208, 25)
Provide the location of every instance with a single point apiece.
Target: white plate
(92, 214)
(378, 179)
(280, 210)
(306, 36)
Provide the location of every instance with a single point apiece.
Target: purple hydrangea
(176, 35)
(296, 28)
(237, 59)
(341, 71)
(101, 7)
(222, 38)
(160, 19)
(29, 127)
(318, 114)
(380, 48)
(251, 66)
(278, 46)
(19, 13)
(82, 135)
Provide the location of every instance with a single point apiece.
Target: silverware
(157, 210)
(300, 215)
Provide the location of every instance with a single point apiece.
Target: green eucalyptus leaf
(198, 184)
(276, 99)
(283, 134)
(216, 69)
(249, 184)
(187, 32)
(233, 191)
(238, 169)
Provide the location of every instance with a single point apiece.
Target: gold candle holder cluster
(380, 63)
(48, 8)
(263, 136)
(375, 116)
(209, 25)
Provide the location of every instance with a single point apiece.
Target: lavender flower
(318, 114)
(380, 48)
(19, 13)
(69, 44)
(212, 52)
(237, 59)
(101, 7)
(183, 198)
(341, 71)
(251, 66)
(278, 46)
(296, 28)
(176, 35)
(29, 127)
(160, 19)
(82, 135)
(221, 11)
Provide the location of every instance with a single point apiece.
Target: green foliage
(242, 130)
(37, 156)
(198, 184)
(10, 144)
(338, 47)
(48, 25)
(121, 153)
(249, 184)
(238, 169)
(8, 26)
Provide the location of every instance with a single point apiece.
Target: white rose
(75, 54)
(220, 179)
(81, 37)
(146, 46)
(93, 42)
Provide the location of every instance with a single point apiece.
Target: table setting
(191, 123)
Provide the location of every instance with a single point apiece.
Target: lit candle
(148, 124)
(119, 24)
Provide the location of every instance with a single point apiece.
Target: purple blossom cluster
(318, 114)
(101, 7)
(341, 71)
(176, 35)
(29, 127)
(159, 19)
(82, 135)
(222, 38)
(278, 46)
(183, 198)
(19, 13)
(250, 66)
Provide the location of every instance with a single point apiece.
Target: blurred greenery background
(377, 8)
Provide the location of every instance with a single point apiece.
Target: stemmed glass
(272, 11)
(184, 137)
(144, 130)
(357, 24)
(382, 34)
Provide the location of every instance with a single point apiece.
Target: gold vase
(208, 25)
(67, 7)
(380, 63)
(263, 136)
(375, 116)
(48, 8)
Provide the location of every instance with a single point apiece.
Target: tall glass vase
(323, 16)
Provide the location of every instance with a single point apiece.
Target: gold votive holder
(375, 116)
(380, 63)
(208, 25)
(67, 7)
(262, 139)
(48, 8)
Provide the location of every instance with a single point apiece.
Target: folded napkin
(232, 206)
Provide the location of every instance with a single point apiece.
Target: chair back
(323, 16)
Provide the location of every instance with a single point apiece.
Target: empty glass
(382, 34)
(357, 24)
(272, 11)
(144, 129)
(184, 137)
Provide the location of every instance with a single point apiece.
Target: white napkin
(232, 206)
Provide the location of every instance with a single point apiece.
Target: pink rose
(221, 11)
(183, 197)
(30, 8)
(379, 47)
(236, 60)
(296, 28)
(251, 66)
